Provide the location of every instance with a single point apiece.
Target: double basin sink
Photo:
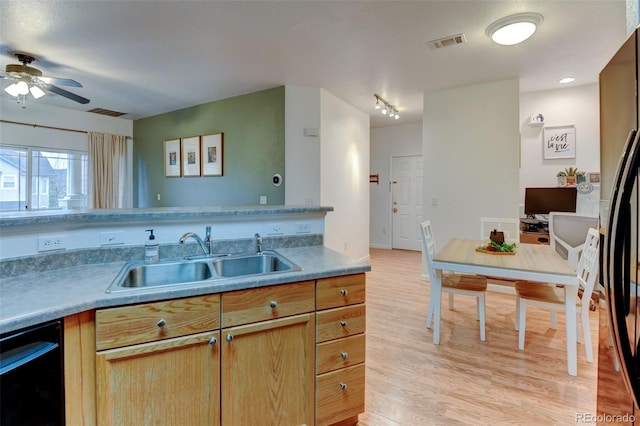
(138, 275)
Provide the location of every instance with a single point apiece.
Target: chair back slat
(588, 264)
(428, 246)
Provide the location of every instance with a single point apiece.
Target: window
(9, 182)
(57, 179)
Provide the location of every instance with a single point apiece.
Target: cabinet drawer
(340, 353)
(265, 303)
(340, 322)
(340, 395)
(340, 291)
(130, 325)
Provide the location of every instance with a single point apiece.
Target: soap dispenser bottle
(151, 249)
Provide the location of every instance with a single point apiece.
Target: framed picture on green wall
(191, 156)
(211, 155)
(172, 158)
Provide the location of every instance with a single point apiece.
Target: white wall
(578, 105)
(471, 151)
(344, 165)
(302, 153)
(388, 142)
(49, 115)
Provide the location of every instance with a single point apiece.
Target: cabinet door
(173, 382)
(268, 372)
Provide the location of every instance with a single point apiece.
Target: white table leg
(436, 295)
(570, 296)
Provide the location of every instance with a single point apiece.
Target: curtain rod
(47, 127)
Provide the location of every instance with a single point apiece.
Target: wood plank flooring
(463, 381)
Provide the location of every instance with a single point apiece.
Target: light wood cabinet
(287, 354)
(267, 372)
(340, 349)
(268, 363)
(165, 380)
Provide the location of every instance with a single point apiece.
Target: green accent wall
(253, 127)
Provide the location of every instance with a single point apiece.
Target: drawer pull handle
(344, 355)
(229, 337)
(344, 292)
(162, 323)
(343, 323)
(273, 304)
(213, 341)
(343, 386)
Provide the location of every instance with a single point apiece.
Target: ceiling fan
(30, 80)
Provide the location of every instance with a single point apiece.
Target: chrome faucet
(259, 243)
(205, 245)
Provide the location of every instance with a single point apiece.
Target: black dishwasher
(31, 376)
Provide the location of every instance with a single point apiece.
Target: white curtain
(107, 163)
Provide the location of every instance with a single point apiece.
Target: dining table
(537, 263)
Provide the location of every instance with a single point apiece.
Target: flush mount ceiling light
(566, 80)
(386, 107)
(514, 29)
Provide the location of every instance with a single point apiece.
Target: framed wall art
(559, 142)
(172, 161)
(191, 156)
(211, 154)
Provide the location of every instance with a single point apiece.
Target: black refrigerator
(619, 334)
(619, 278)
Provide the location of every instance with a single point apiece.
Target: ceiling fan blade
(60, 81)
(68, 95)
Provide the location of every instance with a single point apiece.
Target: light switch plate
(111, 238)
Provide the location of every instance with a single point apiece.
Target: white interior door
(406, 199)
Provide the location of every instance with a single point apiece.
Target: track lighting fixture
(386, 107)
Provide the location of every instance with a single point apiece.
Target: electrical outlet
(111, 238)
(52, 242)
(303, 228)
(274, 229)
(263, 199)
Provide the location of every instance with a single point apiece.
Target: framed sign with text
(559, 142)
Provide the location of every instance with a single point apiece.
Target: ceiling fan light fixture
(12, 90)
(22, 88)
(36, 92)
(514, 29)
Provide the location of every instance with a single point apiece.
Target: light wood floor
(463, 381)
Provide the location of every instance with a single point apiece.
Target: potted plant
(562, 178)
(580, 176)
(571, 175)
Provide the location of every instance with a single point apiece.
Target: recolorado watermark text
(604, 418)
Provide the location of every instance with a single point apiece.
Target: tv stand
(533, 231)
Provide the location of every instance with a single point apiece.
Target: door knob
(395, 210)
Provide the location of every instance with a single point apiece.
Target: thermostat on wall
(277, 179)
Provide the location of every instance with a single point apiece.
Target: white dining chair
(567, 232)
(549, 296)
(463, 284)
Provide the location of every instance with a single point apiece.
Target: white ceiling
(149, 57)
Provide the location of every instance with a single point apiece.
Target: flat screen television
(545, 200)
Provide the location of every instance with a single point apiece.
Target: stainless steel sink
(136, 275)
(140, 275)
(252, 264)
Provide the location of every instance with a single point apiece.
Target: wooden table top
(538, 258)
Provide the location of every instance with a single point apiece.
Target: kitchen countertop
(101, 216)
(34, 298)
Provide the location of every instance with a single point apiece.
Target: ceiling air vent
(108, 112)
(448, 41)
